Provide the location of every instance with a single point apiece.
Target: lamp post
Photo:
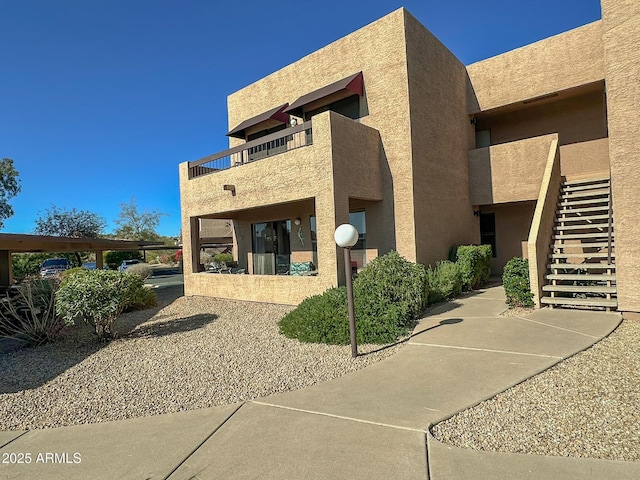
(346, 236)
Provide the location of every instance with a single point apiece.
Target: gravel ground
(586, 406)
(195, 352)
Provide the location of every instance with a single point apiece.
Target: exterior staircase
(582, 262)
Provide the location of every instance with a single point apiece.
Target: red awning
(352, 84)
(274, 114)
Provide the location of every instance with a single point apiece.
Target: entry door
(271, 247)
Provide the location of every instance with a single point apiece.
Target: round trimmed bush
(389, 294)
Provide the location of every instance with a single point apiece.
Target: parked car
(126, 264)
(53, 266)
(89, 265)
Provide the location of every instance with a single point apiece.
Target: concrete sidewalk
(370, 424)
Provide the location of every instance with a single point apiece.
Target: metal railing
(610, 222)
(263, 147)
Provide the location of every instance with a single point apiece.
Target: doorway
(271, 247)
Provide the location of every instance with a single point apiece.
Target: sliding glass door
(271, 247)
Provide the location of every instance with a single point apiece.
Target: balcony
(283, 141)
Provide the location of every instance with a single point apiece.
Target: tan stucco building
(387, 129)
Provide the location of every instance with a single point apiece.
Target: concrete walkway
(371, 424)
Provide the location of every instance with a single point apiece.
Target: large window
(271, 247)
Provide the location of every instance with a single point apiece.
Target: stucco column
(621, 23)
(99, 261)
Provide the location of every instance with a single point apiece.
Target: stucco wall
(621, 22)
(576, 118)
(509, 172)
(557, 63)
(284, 186)
(585, 159)
(378, 50)
(439, 131)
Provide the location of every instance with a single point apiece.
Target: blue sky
(100, 100)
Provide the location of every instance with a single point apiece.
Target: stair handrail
(610, 227)
(541, 231)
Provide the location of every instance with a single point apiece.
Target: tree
(70, 223)
(9, 188)
(137, 225)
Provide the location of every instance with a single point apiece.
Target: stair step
(603, 208)
(577, 236)
(587, 193)
(579, 288)
(584, 180)
(569, 203)
(581, 277)
(581, 266)
(557, 246)
(582, 255)
(581, 188)
(581, 227)
(583, 218)
(583, 302)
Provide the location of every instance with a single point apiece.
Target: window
(483, 138)
(271, 247)
(314, 240)
(488, 231)
(349, 107)
(359, 250)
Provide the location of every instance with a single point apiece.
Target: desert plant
(515, 279)
(389, 295)
(445, 281)
(475, 265)
(29, 315)
(143, 270)
(99, 297)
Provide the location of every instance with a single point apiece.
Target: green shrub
(30, 315)
(99, 297)
(72, 271)
(389, 294)
(223, 257)
(475, 265)
(444, 281)
(114, 259)
(142, 299)
(319, 319)
(392, 282)
(143, 270)
(515, 279)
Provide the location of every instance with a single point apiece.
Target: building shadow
(170, 327)
(441, 323)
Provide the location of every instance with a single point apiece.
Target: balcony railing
(263, 147)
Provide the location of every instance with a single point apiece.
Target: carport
(22, 243)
